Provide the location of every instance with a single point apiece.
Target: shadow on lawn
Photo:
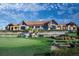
(23, 51)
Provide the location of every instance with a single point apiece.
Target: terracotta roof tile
(38, 23)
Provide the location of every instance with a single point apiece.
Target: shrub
(66, 52)
(24, 35)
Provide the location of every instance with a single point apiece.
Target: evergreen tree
(78, 31)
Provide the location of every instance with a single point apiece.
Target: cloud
(18, 17)
(23, 6)
(75, 16)
(31, 6)
(60, 12)
(3, 23)
(16, 12)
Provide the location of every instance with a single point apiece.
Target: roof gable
(71, 23)
(10, 24)
(53, 22)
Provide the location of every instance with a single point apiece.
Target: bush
(24, 35)
(66, 52)
(41, 35)
(70, 31)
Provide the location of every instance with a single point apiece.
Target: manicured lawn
(33, 46)
(23, 46)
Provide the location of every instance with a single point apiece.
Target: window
(53, 28)
(22, 27)
(15, 27)
(11, 29)
(45, 27)
(74, 28)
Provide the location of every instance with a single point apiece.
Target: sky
(17, 12)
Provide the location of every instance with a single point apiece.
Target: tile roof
(36, 23)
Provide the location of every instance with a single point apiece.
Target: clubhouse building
(42, 25)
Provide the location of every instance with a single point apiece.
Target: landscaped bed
(23, 46)
(72, 34)
(66, 52)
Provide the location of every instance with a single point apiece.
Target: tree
(78, 31)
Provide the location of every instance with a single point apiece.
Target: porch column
(14, 28)
(10, 27)
(34, 27)
(41, 27)
(71, 28)
(68, 28)
(49, 27)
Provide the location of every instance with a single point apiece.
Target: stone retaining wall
(9, 34)
(67, 38)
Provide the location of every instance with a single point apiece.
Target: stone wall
(52, 33)
(9, 34)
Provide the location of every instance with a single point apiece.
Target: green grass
(72, 34)
(23, 46)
